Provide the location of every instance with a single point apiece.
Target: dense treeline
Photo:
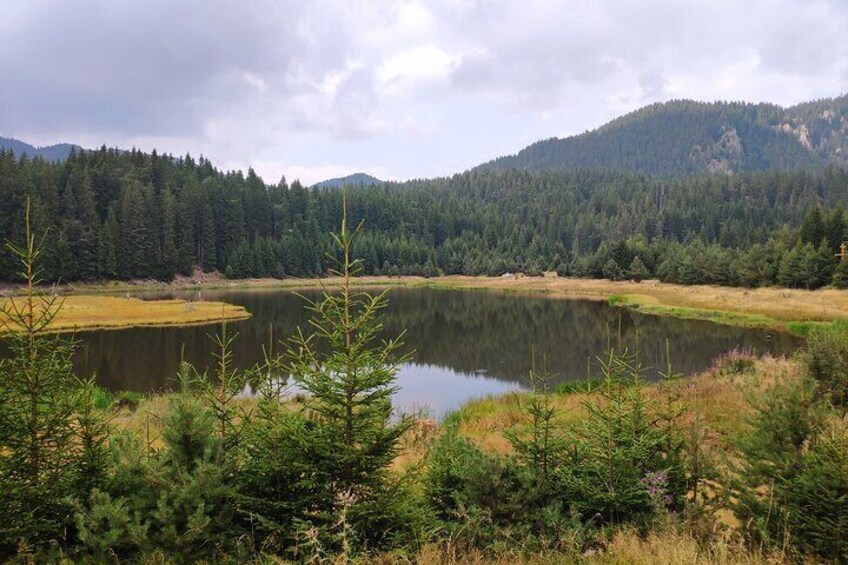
(129, 215)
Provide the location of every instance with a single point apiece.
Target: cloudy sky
(316, 89)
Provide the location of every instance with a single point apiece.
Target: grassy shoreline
(98, 312)
(780, 309)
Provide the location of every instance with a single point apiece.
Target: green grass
(803, 329)
(587, 386)
(799, 328)
(104, 399)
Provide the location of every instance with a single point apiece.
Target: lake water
(465, 344)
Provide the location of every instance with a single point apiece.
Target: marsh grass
(112, 312)
(775, 308)
(793, 310)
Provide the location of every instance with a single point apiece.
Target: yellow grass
(777, 308)
(85, 312)
(627, 547)
(719, 399)
(771, 307)
(766, 307)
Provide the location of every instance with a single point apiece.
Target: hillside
(51, 153)
(132, 215)
(354, 179)
(685, 137)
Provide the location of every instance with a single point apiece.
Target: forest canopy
(113, 214)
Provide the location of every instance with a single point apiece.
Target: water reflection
(464, 343)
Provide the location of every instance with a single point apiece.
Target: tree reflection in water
(465, 343)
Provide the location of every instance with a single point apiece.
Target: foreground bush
(826, 358)
(51, 439)
(792, 492)
(177, 499)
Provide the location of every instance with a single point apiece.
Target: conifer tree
(793, 267)
(623, 465)
(638, 271)
(813, 227)
(43, 445)
(349, 378)
(612, 270)
(170, 253)
(541, 448)
(840, 274)
(836, 229)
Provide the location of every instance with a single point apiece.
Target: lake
(464, 344)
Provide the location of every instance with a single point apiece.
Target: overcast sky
(315, 89)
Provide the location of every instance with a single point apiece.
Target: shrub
(477, 495)
(736, 361)
(177, 499)
(816, 497)
(780, 462)
(621, 462)
(826, 358)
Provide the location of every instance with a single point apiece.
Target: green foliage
(684, 137)
(221, 392)
(349, 380)
(129, 215)
(540, 447)
(826, 358)
(622, 467)
(108, 527)
(638, 271)
(840, 275)
(478, 496)
(612, 270)
(329, 461)
(624, 464)
(277, 484)
(51, 437)
(812, 229)
(817, 497)
(176, 499)
(91, 431)
(792, 487)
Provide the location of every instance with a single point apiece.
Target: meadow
(89, 312)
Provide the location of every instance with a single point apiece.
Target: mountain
(685, 137)
(51, 153)
(354, 179)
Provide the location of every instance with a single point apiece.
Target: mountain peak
(349, 180)
(683, 137)
(52, 153)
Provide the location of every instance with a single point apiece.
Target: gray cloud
(331, 84)
(808, 43)
(151, 67)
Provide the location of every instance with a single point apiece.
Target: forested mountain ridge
(349, 180)
(685, 137)
(127, 215)
(52, 153)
